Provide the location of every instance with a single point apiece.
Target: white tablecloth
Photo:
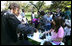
(36, 38)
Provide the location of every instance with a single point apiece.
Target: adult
(10, 25)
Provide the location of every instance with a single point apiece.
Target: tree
(38, 5)
(60, 4)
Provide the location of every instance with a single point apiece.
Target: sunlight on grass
(28, 15)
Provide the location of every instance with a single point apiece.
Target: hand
(36, 30)
(44, 32)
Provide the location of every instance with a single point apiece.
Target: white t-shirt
(22, 14)
(51, 16)
(33, 15)
(67, 31)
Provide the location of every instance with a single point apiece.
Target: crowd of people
(56, 23)
(14, 25)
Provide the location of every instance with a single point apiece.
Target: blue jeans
(48, 27)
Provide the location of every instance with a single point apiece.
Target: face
(48, 14)
(58, 10)
(16, 11)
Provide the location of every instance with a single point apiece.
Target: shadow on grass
(34, 42)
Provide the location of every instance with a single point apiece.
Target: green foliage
(38, 5)
(60, 4)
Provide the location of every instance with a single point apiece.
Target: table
(36, 38)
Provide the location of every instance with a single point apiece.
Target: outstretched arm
(47, 31)
(26, 29)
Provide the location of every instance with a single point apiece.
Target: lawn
(34, 42)
(28, 15)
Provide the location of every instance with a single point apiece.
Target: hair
(42, 13)
(13, 6)
(33, 12)
(59, 22)
(50, 13)
(22, 10)
(66, 8)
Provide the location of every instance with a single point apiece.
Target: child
(48, 22)
(57, 32)
(67, 30)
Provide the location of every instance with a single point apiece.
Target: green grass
(28, 15)
(34, 42)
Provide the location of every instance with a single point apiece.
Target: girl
(57, 31)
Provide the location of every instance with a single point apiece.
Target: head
(14, 7)
(33, 12)
(57, 10)
(57, 22)
(66, 8)
(22, 10)
(49, 13)
(42, 13)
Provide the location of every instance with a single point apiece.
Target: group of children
(59, 24)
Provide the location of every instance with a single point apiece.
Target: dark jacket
(9, 24)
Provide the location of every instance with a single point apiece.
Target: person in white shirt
(51, 15)
(67, 30)
(32, 15)
(23, 14)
